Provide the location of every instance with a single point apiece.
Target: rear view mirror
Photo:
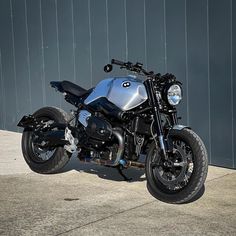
(108, 68)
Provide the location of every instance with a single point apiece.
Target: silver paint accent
(179, 127)
(161, 141)
(69, 137)
(83, 117)
(101, 90)
(125, 98)
(139, 140)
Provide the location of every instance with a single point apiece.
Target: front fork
(154, 102)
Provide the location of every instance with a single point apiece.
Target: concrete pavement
(92, 200)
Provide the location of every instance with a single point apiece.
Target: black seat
(69, 87)
(73, 89)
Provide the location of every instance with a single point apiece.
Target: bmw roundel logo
(126, 84)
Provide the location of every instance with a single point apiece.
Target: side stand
(119, 168)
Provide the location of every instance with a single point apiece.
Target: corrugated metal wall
(44, 40)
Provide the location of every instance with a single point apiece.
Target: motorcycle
(116, 122)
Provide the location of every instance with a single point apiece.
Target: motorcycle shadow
(136, 175)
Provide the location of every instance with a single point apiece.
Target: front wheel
(180, 178)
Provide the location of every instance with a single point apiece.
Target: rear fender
(47, 136)
(28, 122)
(31, 122)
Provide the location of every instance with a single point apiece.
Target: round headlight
(174, 94)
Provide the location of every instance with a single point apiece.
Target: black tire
(195, 184)
(60, 156)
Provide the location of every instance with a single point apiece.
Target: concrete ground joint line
(104, 218)
(220, 177)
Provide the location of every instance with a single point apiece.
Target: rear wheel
(180, 178)
(45, 160)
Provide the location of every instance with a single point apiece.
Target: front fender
(175, 127)
(180, 127)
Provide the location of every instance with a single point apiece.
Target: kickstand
(119, 168)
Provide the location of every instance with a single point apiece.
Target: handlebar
(117, 62)
(137, 68)
(132, 67)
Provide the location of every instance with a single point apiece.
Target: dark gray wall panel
(116, 33)
(66, 42)
(82, 43)
(220, 87)
(233, 55)
(176, 48)
(51, 49)
(44, 40)
(198, 68)
(2, 97)
(8, 65)
(21, 58)
(155, 35)
(65, 36)
(98, 39)
(135, 31)
(35, 54)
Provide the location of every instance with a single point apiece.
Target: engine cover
(95, 127)
(98, 128)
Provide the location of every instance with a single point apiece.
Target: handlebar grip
(119, 63)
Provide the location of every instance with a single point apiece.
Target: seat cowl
(57, 85)
(69, 87)
(73, 89)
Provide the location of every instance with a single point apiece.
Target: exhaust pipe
(136, 164)
(119, 161)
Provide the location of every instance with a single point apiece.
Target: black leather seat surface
(69, 87)
(74, 89)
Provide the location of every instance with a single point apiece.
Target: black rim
(173, 175)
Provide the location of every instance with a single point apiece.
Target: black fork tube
(156, 114)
